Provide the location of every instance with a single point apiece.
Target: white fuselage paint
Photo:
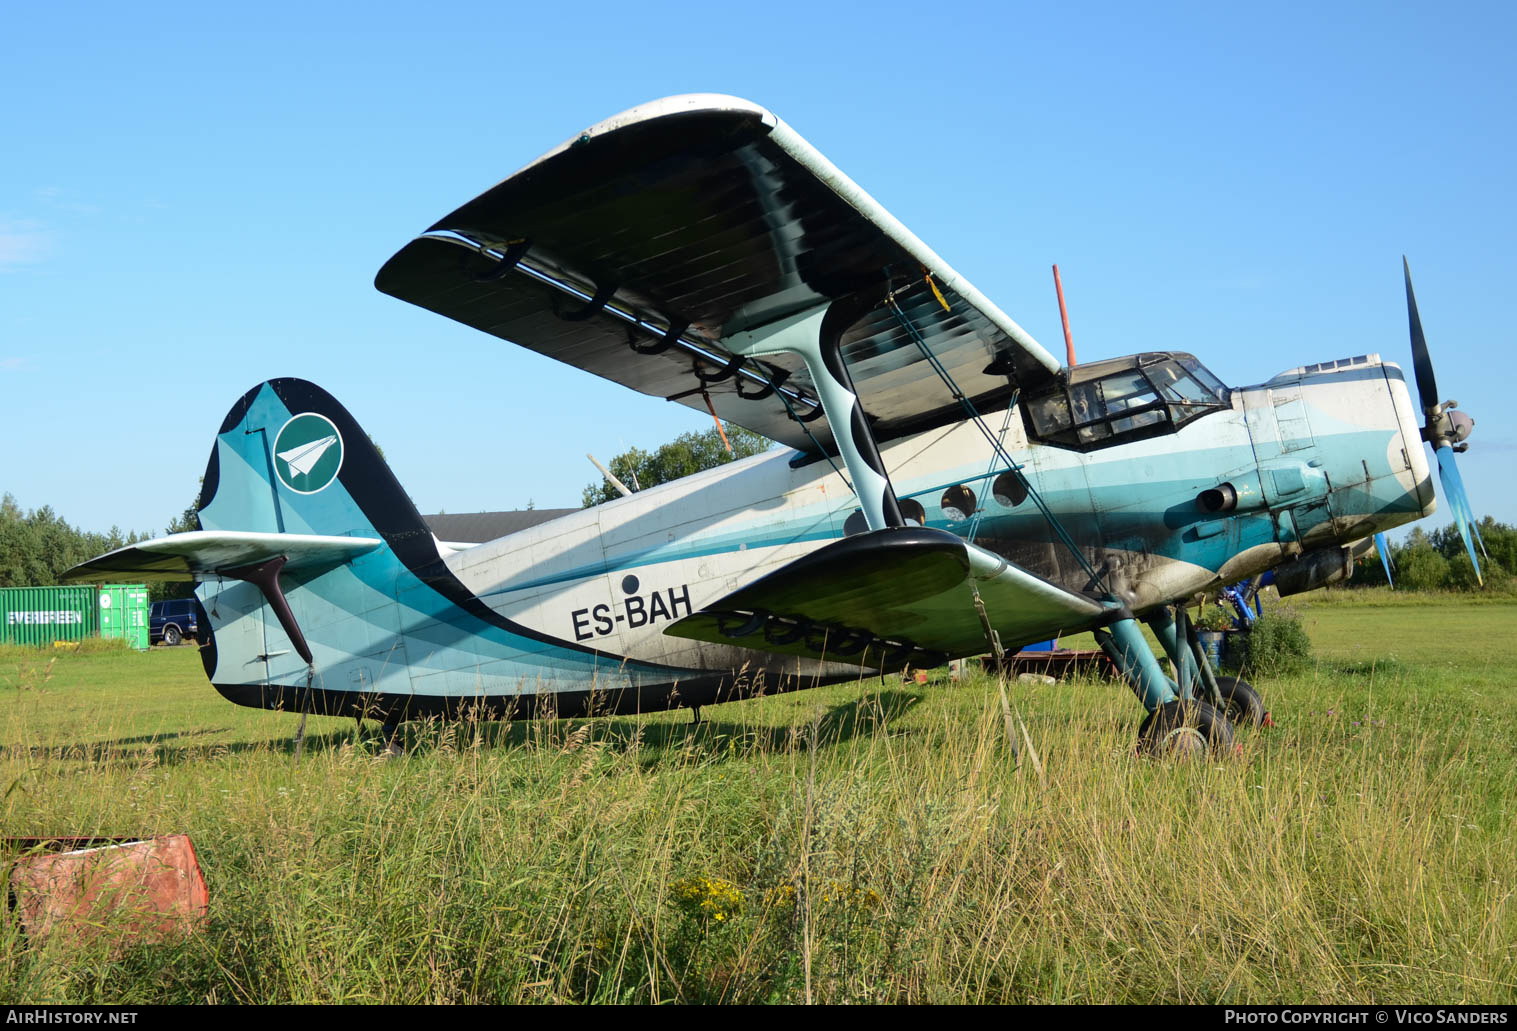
(693, 541)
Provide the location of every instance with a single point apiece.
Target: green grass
(867, 843)
(1380, 597)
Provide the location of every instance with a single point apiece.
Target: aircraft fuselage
(1310, 461)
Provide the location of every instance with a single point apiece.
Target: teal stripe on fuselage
(1096, 496)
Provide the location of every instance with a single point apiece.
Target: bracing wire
(974, 524)
(996, 447)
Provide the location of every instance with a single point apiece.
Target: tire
(1180, 729)
(172, 636)
(1241, 704)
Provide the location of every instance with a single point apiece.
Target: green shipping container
(124, 613)
(44, 616)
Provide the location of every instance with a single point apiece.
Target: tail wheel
(1241, 704)
(1184, 728)
(172, 636)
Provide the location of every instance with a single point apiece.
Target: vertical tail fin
(290, 459)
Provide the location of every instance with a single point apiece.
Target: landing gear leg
(393, 737)
(1177, 723)
(1123, 643)
(1178, 638)
(1234, 698)
(695, 715)
(1208, 675)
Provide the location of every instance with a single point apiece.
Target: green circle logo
(308, 453)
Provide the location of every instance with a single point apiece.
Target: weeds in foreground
(866, 843)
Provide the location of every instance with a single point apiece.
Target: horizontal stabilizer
(202, 554)
(889, 598)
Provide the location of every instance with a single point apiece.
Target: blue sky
(191, 203)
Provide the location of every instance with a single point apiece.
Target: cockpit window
(1104, 403)
(1176, 385)
(1203, 374)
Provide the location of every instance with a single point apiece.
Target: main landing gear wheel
(172, 636)
(1182, 729)
(394, 741)
(1241, 704)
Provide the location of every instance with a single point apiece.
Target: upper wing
(708, 216)
(201, 554)
(902, 595)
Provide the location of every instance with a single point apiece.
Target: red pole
(1069, 342)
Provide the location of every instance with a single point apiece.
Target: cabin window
(1008, 490)
(1049, 414)
(957, 503)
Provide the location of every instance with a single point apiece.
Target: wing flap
(891, 597)
(201, 554)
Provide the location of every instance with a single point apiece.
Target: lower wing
(889, 598)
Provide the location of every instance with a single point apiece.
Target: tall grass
(870, 843)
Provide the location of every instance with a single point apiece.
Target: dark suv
(173, 621)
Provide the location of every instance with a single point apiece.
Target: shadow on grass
(656, 736)
(105, 752)
(659, 735)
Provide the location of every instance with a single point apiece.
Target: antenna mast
(1069, 341)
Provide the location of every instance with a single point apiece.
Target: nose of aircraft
(1455, 426)
(1339, 451)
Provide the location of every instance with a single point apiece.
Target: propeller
(1384, 547)
(1446, 430)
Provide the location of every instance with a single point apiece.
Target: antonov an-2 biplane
(945, 484)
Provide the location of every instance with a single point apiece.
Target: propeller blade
(1459, 504)
(1384, 547)
(1422, 365)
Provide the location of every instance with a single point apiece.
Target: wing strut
(995, 444)
(816, 340)
(265, 577)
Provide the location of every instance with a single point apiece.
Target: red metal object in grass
(149, 889)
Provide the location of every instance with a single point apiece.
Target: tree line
(37, 546)
(688, 453)
(1437, 561)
